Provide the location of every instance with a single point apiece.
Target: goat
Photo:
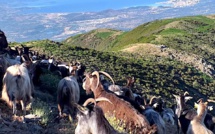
(12, 52)
(80, 71)
(154, 117)
(185, 114)
(197, 125)
(3, 41)
(35, 71)
(167, 114)
(122, 90)
(62, 70)
(121, 109)
(5, 62)
(68, 91)
(91, 119)
(17, 87)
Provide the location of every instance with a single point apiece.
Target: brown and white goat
(68, 91)
(121, 109)
(91, 119)
(197, 125)
(17, 87)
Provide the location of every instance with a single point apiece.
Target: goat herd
(20, 69)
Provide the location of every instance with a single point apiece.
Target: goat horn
(90, 100)
(209, 100)
(144, 99)
(186, 93)
(79, 107)
(108, 76)
(153, 97)
(103, 99)
(200, 100)
(97, 75)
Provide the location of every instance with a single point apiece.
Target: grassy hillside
(99, 39)
(190, 34)
(154, 77)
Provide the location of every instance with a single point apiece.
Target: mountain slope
(192, 36)
(154, 76)
(97, 39)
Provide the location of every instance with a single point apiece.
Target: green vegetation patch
(103, 35)
(172, 31)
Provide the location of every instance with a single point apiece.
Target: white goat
(197, 125)
(17, 87)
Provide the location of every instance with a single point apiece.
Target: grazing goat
(67, 92)
(121, 109)
(17, 87)
(197, 125)
(91, 119)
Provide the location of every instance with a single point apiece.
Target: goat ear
(155, 105)
(176, 96)
(188, 98)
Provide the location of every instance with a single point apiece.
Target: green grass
(103, 35)
(172, 31)
(41, 109)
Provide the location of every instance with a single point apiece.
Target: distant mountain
(21, 27)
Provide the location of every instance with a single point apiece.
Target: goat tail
(19, 81)
(64, 91)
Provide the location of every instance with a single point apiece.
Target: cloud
(179, 3)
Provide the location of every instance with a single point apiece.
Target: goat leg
(14, 108)
(23, 109)
(60, 107)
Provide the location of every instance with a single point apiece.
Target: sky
(53, 6)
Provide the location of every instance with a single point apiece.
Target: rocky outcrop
(198, 62)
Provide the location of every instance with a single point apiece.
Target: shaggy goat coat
(68, 91)
(17, 85)
(93, 121)
(121, 109)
